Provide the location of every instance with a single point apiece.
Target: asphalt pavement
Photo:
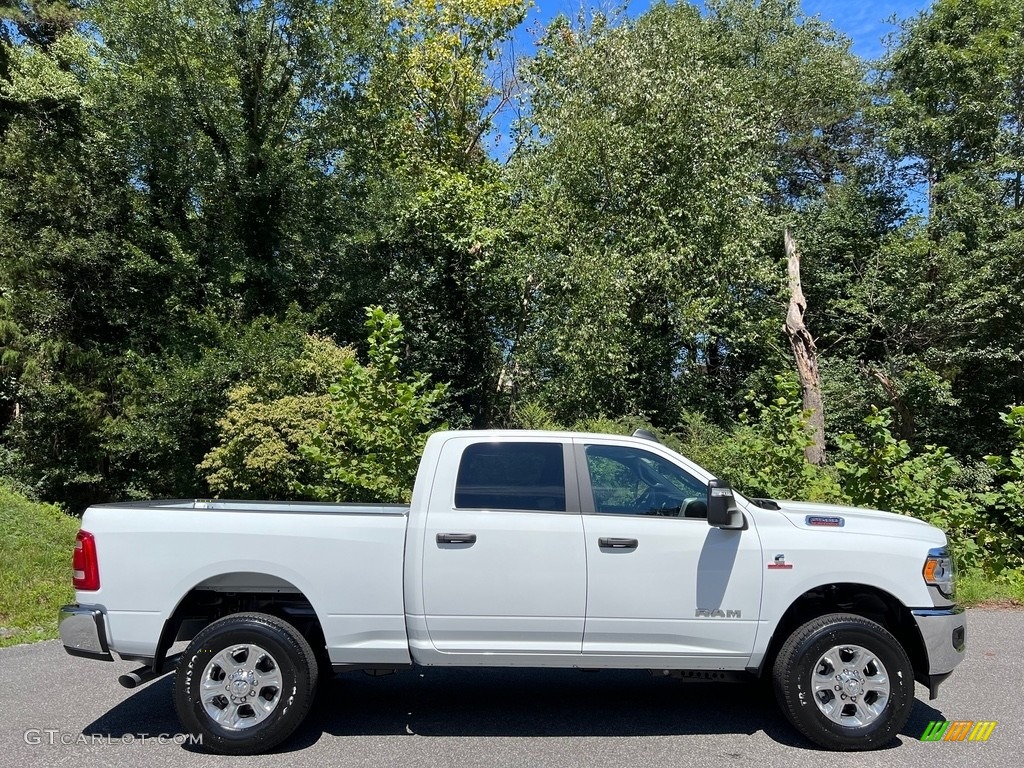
(57, 710)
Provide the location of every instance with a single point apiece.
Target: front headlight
(938, 571)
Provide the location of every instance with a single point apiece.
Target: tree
(806, 354)
(659, 160)
(237, 109)
(954, 92)
(434, 248)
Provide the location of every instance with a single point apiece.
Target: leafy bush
(370, 444)
(883, 472)
(533, 415)
(265, 426)
(1005, 497)
(762, 455)
(167, 422)
(330, 428)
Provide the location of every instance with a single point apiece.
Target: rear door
(504, 566)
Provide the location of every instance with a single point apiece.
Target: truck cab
(599, 546)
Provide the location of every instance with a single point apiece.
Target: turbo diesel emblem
(779, 564)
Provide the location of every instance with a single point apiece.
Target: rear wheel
(844, 682)
(245, 683)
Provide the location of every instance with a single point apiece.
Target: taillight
(85, 564)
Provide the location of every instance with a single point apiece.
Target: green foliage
(951, 96)
(1005, 497)
(144, 427)
(764, 455)
(329, 428)
(640, 214)
(267, 422)
(438, 57)
(233, 117)
(883, 472)
(1009, 499)
(533, 415)
(652, 167)
(258, 453)
(377, 423)
(36, 541)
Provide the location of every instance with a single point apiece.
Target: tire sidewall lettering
(291, 653)
(794, 670)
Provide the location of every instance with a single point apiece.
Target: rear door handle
(617, 543)
(456, 538)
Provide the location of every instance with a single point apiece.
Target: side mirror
(722, 509)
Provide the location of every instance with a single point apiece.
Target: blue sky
(865, 23)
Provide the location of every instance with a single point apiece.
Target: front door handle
(456, 538)
(617, 543)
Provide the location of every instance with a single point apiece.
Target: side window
(631, 481)
(523, 476)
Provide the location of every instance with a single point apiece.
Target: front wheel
(245, 683)
(844, 682)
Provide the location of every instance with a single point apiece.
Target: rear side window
(523, 476)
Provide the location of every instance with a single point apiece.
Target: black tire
(285, 656)
(797, 664)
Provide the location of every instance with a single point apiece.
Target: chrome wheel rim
(851, 685)
(241, 686)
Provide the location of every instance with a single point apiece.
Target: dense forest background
(260, 248)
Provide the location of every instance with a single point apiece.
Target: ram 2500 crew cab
(520, 548)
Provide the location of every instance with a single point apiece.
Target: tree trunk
(806, 355)
(906, 425)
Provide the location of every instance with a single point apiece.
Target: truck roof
(498, 434)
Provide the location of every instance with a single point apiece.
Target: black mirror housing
(722, 509)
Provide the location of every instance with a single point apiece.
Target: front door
(661, 581)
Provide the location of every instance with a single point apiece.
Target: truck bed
(347, 560)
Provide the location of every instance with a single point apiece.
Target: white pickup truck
(534, 549)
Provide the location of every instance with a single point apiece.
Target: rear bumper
(83, 632)
(944, 633)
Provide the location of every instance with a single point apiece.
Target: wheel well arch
(864, 600)
(238, 592)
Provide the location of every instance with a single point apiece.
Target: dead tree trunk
(806, 355)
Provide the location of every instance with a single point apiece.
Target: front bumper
(83, 632)
(944, 633)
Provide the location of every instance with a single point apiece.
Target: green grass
(36, 541)
(976, 588)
